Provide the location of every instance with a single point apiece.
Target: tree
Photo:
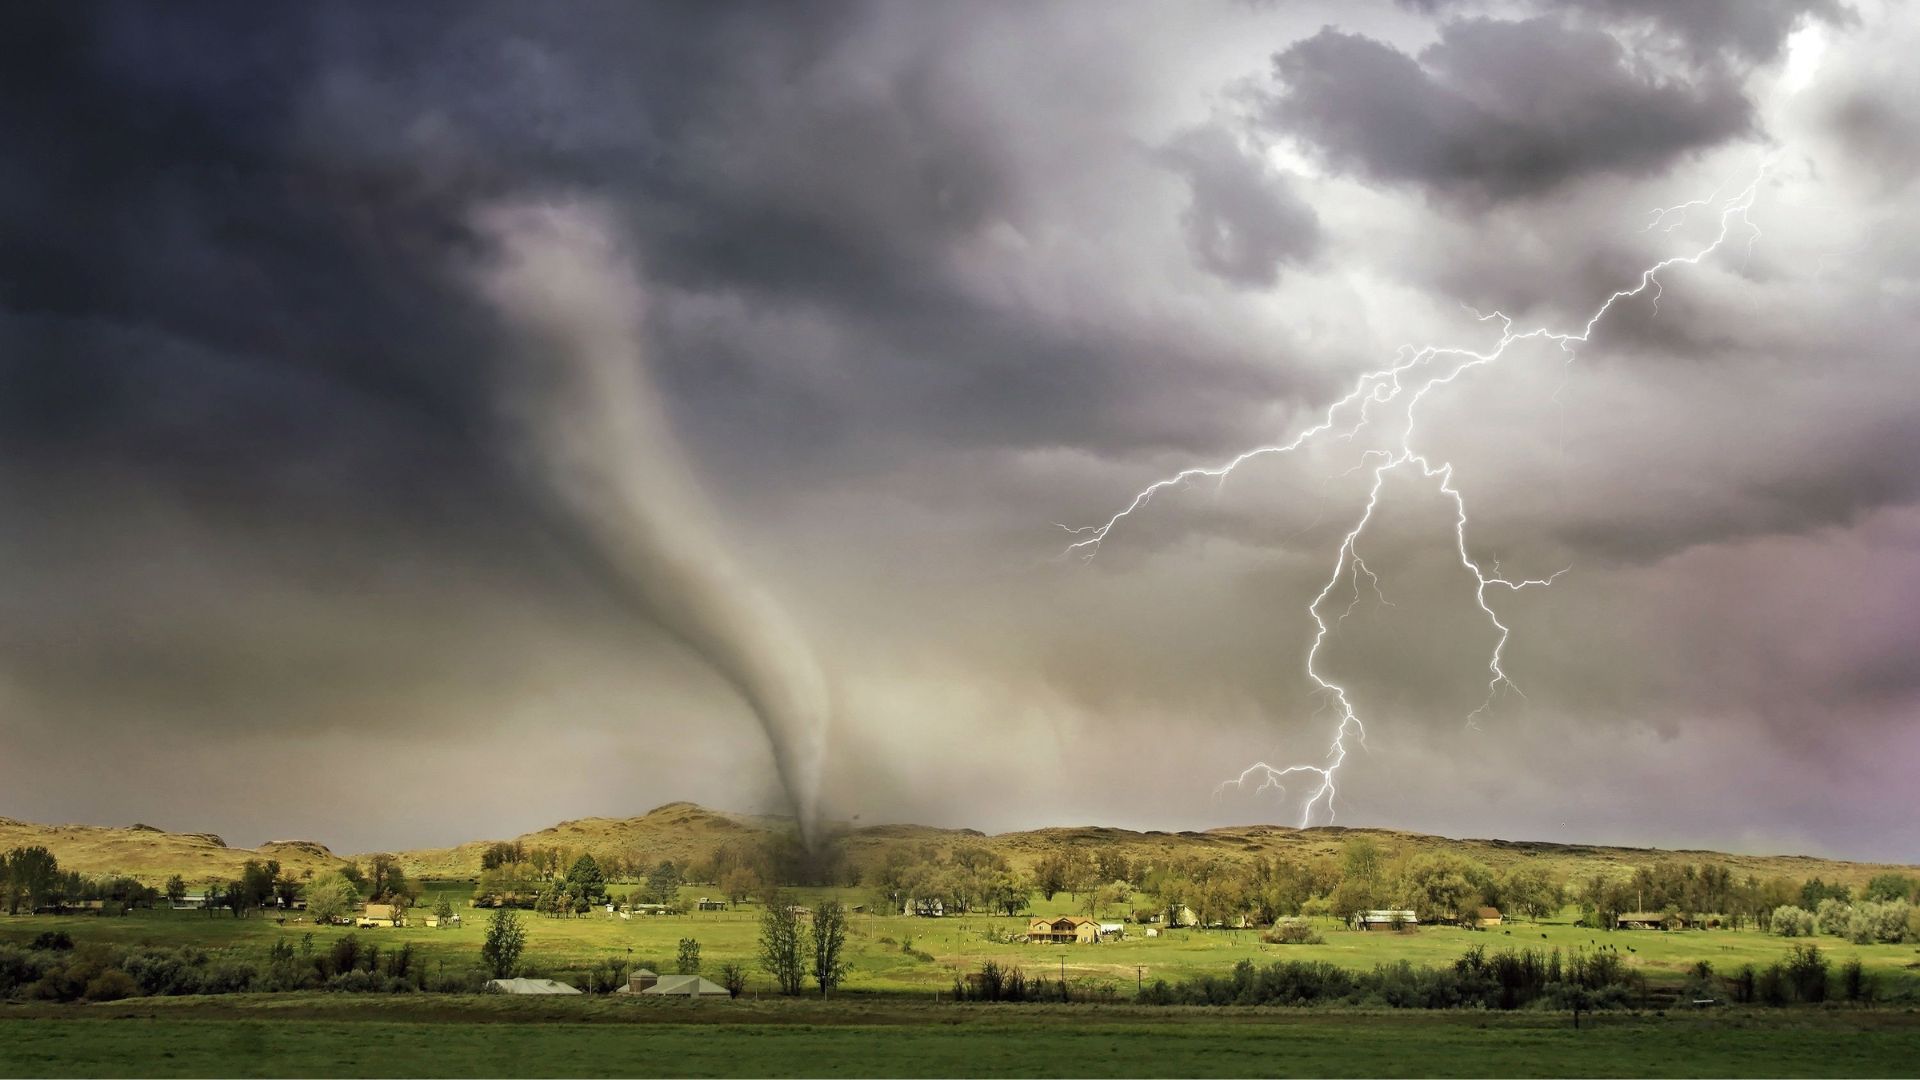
(500, 952)
(663, 883)
(33, 875)
(1050, 875)
(1530, 890)
(739, 884)
(780, 946)
(1890, 886)
(385, 879)
(829, 943)
(586, 879)
(255, 887)
(734, 978)
(687, 960)
(216, 897)
(1441, 886)
(176, 889)
(331, 897)
(443, 911)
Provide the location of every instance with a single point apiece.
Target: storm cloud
(922, 285)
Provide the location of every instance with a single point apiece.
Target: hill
(153, 855)
(687, 833)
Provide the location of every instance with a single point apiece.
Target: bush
(1505, 980)
(1790, 921)
(53, 941)
(112, 985)
(1741, 986)
(1886, 923)
(1807, 972)
(1855, 984)
(1292, 932)
(1832, 916)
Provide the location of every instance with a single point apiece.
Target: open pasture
(896, 954)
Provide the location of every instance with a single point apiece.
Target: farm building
(639, 981)
(531, 986)
(710, 904)
(1650, 920)
(1112, 931)
(1385, 920)
(1064, 930)
(932, 908)
(692, 986)
(1485, 917)
(380, 915)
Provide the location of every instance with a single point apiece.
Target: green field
(338, 1035)
(881, 964)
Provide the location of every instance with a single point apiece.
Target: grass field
(335, 1035)
(881, 963)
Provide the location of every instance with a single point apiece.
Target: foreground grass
(319, 1035)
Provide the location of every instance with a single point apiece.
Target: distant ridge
(153, 854)
(687, 832)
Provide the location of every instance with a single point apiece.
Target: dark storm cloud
(1747, 29)
(921, 282)
(1243, 221)
(1497, 110)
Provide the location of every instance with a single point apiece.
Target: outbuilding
(531, 986)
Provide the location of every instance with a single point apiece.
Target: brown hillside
(685, 832)
(153, 855)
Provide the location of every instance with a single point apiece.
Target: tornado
(594, 435)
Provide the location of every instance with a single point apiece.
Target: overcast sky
(344, 347)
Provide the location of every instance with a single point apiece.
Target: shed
(692, 986)
(639, 980)
(531, 986)
(1487, 916)
(1386, 920)
(1650, 920)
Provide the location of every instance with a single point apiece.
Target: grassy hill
(153, 855)
(685, 832)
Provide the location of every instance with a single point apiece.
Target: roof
(531, 986)
(1646, 916)
(1488, 913)
(686, 986)
(379, 911)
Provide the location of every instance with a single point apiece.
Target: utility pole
(1139, 979)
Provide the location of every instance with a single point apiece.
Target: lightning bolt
(1401, 387)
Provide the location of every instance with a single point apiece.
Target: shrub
(1292, 932)
(1855, 984)
(1807, 973)
(1879, 923)
(53, 941)
(1791, 921)
(111, 985)
(1832, 916)
(1740, 986)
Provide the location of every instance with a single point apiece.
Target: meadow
(900, 955)
(352, 1035)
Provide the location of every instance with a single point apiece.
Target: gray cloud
(1497, 110)
(1243, 221)
(921, 284)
